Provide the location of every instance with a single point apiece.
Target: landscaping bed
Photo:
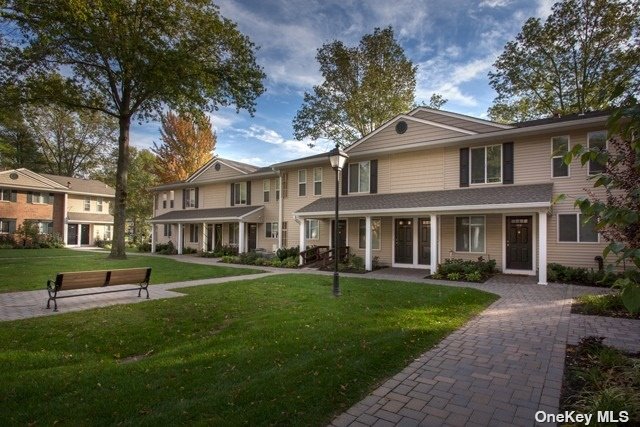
(609, 305)
(587, 276)
(274, 351)
(601, 378)
(454, 269)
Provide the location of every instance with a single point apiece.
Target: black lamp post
(338, 159)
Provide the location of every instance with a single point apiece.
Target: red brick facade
(20, 210)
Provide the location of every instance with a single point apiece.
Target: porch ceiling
(484, 198)
(90, 217)
(237, 213)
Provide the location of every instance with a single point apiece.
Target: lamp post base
(336, 285)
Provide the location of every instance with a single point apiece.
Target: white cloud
(285, 147)
(494, 3)
(544, 8)
(256, 161)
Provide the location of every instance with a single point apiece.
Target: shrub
(102, 243)
(284, 253)
(49, 241)
(7, 241)
(472, 271)
(276, 262)
(475, 276)
(454, 276)
(291, 262)
(356, 262)
(249, 258)
(188, 250)
(225, 251)
(588, 277)
(166, 248)
(145, 247)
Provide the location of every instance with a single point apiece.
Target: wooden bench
(97, 279)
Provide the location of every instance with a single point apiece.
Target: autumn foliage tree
(187, 144)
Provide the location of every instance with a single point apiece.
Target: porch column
(280, 211)
(79, 242)
(368, 264)
(203, 237)
(433, 231)
(542, 247)
(153, 238)
(180, 238)
(241, 237)
(65, 231)
(303, 242)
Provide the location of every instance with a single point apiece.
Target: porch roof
(236, 213)
(484, 198)
(95, 218)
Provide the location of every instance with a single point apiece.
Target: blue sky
(453, 42)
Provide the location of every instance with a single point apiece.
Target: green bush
(472, 271)
(588, 277)
(145, 247)
(454, 276)
(225, 250)
(284, 253)
(474, 276)
(230, 259)
(166, 248)
(187, 250)
(356, 262)
(276, 262)
(291, 262)
(102, 243)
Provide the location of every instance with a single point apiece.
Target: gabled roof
(81, 186)
(243, 168)
(561, 119)
(538, 195)
(461, 120)
(24, 178)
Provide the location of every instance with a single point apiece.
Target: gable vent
(401, 127)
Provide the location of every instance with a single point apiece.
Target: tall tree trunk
(119, 216)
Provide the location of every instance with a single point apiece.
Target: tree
(141, 180)
(363, 87)
(584, 52)
(73, 143)
(128, 59)
(187, 144)
(18, 146)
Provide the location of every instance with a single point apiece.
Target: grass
(601, 378)
(602, 305)
(279, 350)
(43, 264)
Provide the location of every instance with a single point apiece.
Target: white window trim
(274, 225)
(189, 202)
(578, 241)
(606, 147)
(372, 219)
(99, 204)
(455, 234)
(2, 199)
(316, 181)
(307, 229)
(554, 157)
(237, 186)
(300, 183)
(349, 177)
(486, 164)
(84, 204)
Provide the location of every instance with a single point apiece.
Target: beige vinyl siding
(385, 251)
(569, 253)
(416, 132)
(212, 196)
(414, 171)
(493, 239)
(23, 180)
(456, 122)
(225, 172)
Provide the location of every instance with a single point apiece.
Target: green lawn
(279, 350)
(35, 266)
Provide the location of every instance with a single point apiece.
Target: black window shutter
(345, 180)
(268, 230)
(14, 196)
(197, 198)
(248, 193)
(184, 198)
(464, 167)
(233, 194)
(50, 200)
(373, 177)
(29, 197)
(507, 163)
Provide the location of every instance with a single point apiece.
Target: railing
(321, 256)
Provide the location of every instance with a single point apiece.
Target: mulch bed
(578, 308)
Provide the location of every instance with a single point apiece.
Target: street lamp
(338, 159)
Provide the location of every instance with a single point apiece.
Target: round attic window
(401, 127)
(217, 166)
(13, 175)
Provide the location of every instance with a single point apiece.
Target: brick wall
(21, 210)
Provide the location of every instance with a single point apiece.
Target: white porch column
(203, 237)
(180, 238)
(433, 230)
(542, 247)
(79, 242)
(303, 242)
(241, 245)
(368, 261)
(65, 231)
(153, 238)
(280, 212)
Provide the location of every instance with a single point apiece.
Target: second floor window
(486, 164)
(302, 182)
(277, 188)
(164, 200)
(240, 193)
(559, 147)
(359, 177)
(266, 190)
(40, 198)
(99, 202)
(317, 181)
(597, 140)
(8, 195)
(87, 203)
(171, 197)
(190, 198)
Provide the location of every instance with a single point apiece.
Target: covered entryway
(519, 247)
(72, 234)
(424, 250)
(404, 241)
(252, 236)
(84, 234)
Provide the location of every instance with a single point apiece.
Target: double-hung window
(302, 182)
(317, 181)
(99, 202)
(240, 193)
(171, 198)
(7, 195)
(164, 200)
(190, 198)
(559, 148)
(572, 228)
(375, 233)
(167, 230)
(277, 188)
(87, 203)
(486, 164)
(194, 231)
(359, 177)
(7, 225)
(312, 229)
(271, 230)
(44, 227)
(234, 233)
(266, 190)
(470, 234)
(597, 140)
(107, 232)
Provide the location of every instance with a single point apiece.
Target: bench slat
(88, 279)
(128, 277)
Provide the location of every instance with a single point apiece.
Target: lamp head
(338, 158)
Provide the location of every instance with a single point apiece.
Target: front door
(209, 237)
(84, 237)
(218, 238)
(424, 251)
(72, 234)
(404, 241)
(519, 248)
(252, 236)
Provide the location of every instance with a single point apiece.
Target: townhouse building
(77, 209)
(425, 186)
